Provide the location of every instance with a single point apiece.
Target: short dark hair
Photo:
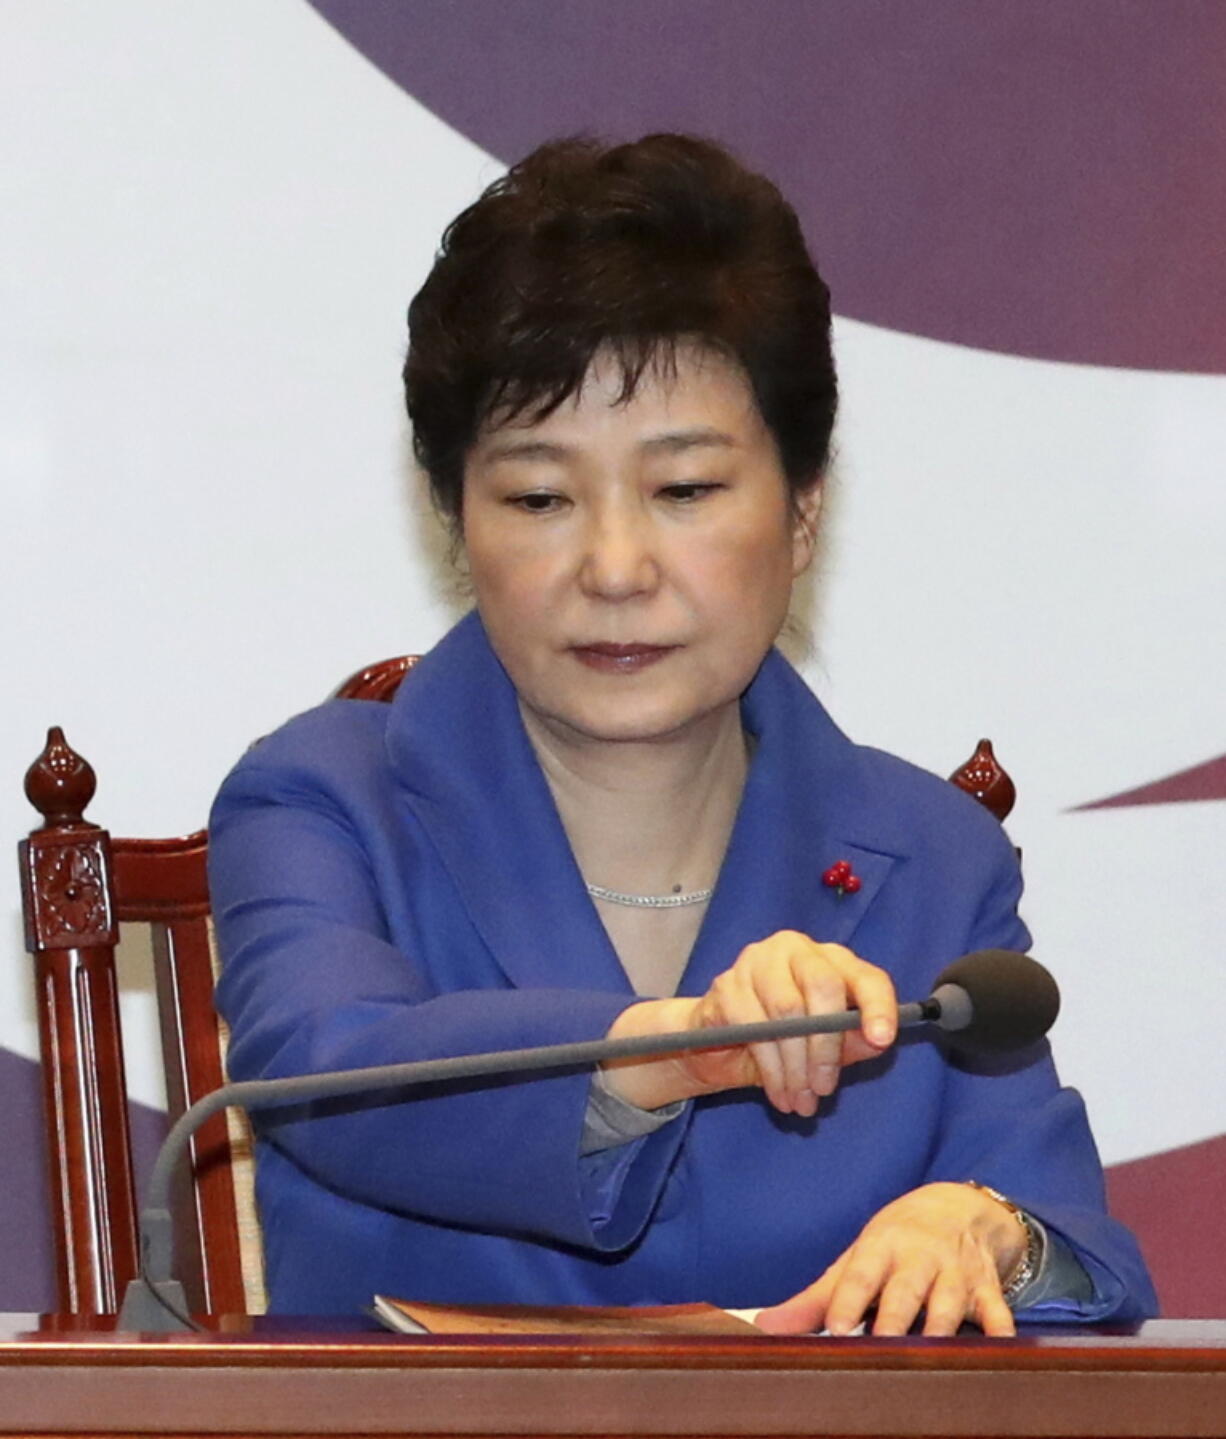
(632, 248)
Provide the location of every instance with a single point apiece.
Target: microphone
(994, 999)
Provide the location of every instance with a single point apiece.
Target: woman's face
(633, 562)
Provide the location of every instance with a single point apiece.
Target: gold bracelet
(1027, 1266)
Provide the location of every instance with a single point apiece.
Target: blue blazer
(393, 882)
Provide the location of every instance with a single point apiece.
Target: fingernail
(879, 1031)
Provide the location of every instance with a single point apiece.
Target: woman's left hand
(942, 1248)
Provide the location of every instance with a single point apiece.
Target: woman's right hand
(784, 975)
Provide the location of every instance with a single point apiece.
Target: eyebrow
(672, 442)
(525, 450)
(678, 441)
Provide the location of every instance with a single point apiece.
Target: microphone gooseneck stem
(154, 1301)
(267, 1093)
(261, 1094)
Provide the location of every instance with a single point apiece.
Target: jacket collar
(469, 775)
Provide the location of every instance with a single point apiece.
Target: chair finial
(59, 784)
(983, 779)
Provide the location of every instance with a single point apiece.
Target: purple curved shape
(1034, 177)
(27, 1280)
(27, 1262)
(1200, 782)
(1172, 1201)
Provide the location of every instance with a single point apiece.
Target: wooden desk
(254, 1377)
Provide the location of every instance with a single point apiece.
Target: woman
(604, 804)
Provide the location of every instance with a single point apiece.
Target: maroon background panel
(1174, 1201)
(1199, 782)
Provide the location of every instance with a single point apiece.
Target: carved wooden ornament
(66, 865)
(983, 778)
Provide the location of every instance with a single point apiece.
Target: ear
(806, 507)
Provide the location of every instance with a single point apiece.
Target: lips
(620, 659)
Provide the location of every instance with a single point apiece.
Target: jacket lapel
(805, 806)
(471, 779)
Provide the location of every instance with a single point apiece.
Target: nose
(619, 559)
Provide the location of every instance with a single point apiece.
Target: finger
(743, 1005)
(948, 1303)
(719, 1068)
(803, 1312)
(762, 985)
(783, 997)
(871, 991)
(823, 992)
(856, 1287)
(991, 1312)
(902, 1297)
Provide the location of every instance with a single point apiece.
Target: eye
(537, 502)
(688, 492)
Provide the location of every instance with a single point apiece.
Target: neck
(647, 818)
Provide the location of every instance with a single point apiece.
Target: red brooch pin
(840, 878)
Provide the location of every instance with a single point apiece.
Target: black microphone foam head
(1014, 1000)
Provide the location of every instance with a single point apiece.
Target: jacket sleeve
(311, 982)
(1008, 1123)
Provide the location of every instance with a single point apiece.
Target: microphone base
(144, 1312)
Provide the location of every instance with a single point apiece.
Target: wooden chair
(79, 886)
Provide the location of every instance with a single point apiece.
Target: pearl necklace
(676, 900)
